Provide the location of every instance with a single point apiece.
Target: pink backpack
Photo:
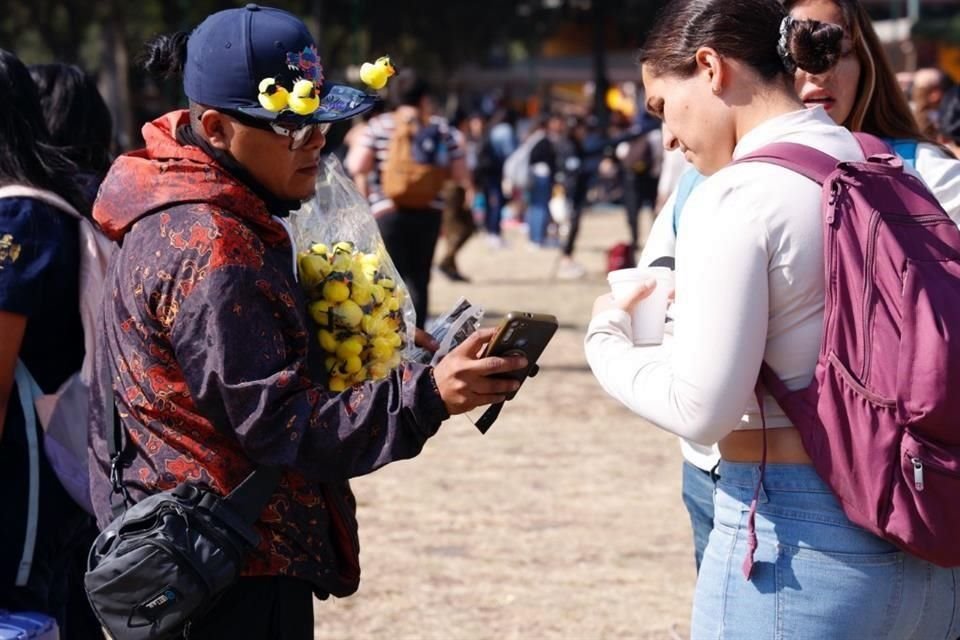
(881, 418)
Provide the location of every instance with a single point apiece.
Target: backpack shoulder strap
(23, 191)
(28, 391)
(688, 182)
(872, 145)
(806, 161)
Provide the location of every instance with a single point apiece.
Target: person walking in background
(578, 164)
(458, 227)
(410, 216)
(542, 167)
(206, 339)
(458, 224)
(40, 326)
(499, 143)
(714, 72)
(640, 161)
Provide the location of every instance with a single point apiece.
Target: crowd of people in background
(502, 168)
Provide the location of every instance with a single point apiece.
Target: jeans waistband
(775, 476)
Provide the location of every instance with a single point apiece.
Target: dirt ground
(564, 521)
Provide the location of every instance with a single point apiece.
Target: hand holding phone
(466, 380)
(522, 334)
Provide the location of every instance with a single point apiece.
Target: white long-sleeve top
(749, 289)
(942, 175)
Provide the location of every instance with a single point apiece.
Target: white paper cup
(649, 315)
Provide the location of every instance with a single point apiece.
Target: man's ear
(711, 64)
(216, 129)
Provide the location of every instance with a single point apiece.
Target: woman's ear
(710, 63)
(216, 129)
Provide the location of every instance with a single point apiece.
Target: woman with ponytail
(750, 285)
(861, 93)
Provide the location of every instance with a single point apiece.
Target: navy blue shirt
(39, 256)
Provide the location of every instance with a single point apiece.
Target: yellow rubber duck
(273, 97)
(303, 99)
(376, 75)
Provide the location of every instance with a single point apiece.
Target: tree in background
(436, 37)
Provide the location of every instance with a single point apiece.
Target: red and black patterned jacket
(211, 355)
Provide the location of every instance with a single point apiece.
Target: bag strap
(49, 197)
(116, 447)
(493, 411)
(872, 145)
(28, 389)
(806, 161)
(748, 561)
(688, 182)
(247, 500)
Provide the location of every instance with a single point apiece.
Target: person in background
(498, 143)
(929, 85)
(861, 93)
(81, 126)
(458, 227)
(577, 166)
(949, 119)
(543, 169)
(78, 120)
(39, 325)
(210, 353)
(410, 234)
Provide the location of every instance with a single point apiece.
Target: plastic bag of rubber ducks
(362, 314)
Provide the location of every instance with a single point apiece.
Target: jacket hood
(166, 174)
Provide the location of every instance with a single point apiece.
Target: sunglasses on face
(299, 134)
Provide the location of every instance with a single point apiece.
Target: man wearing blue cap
(206, 338)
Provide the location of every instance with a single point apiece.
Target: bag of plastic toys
(362, 314)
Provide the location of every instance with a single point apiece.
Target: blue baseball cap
(231, 52)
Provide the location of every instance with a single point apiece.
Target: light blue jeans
(817, 575)
(698, 487)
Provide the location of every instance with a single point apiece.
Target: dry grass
(564, 521)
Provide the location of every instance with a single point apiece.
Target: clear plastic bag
(362, 312)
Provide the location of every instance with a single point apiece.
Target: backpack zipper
(866, 356)
(917, 473)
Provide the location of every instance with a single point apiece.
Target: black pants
(638, 190)
(266, 608)
(410, 236)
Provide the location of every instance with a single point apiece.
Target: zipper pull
(917, 473)
(834, 194)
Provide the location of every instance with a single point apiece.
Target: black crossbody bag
(164, 561)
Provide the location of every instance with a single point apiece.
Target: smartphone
(522, 334)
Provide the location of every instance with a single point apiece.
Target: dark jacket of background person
(208, 329)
